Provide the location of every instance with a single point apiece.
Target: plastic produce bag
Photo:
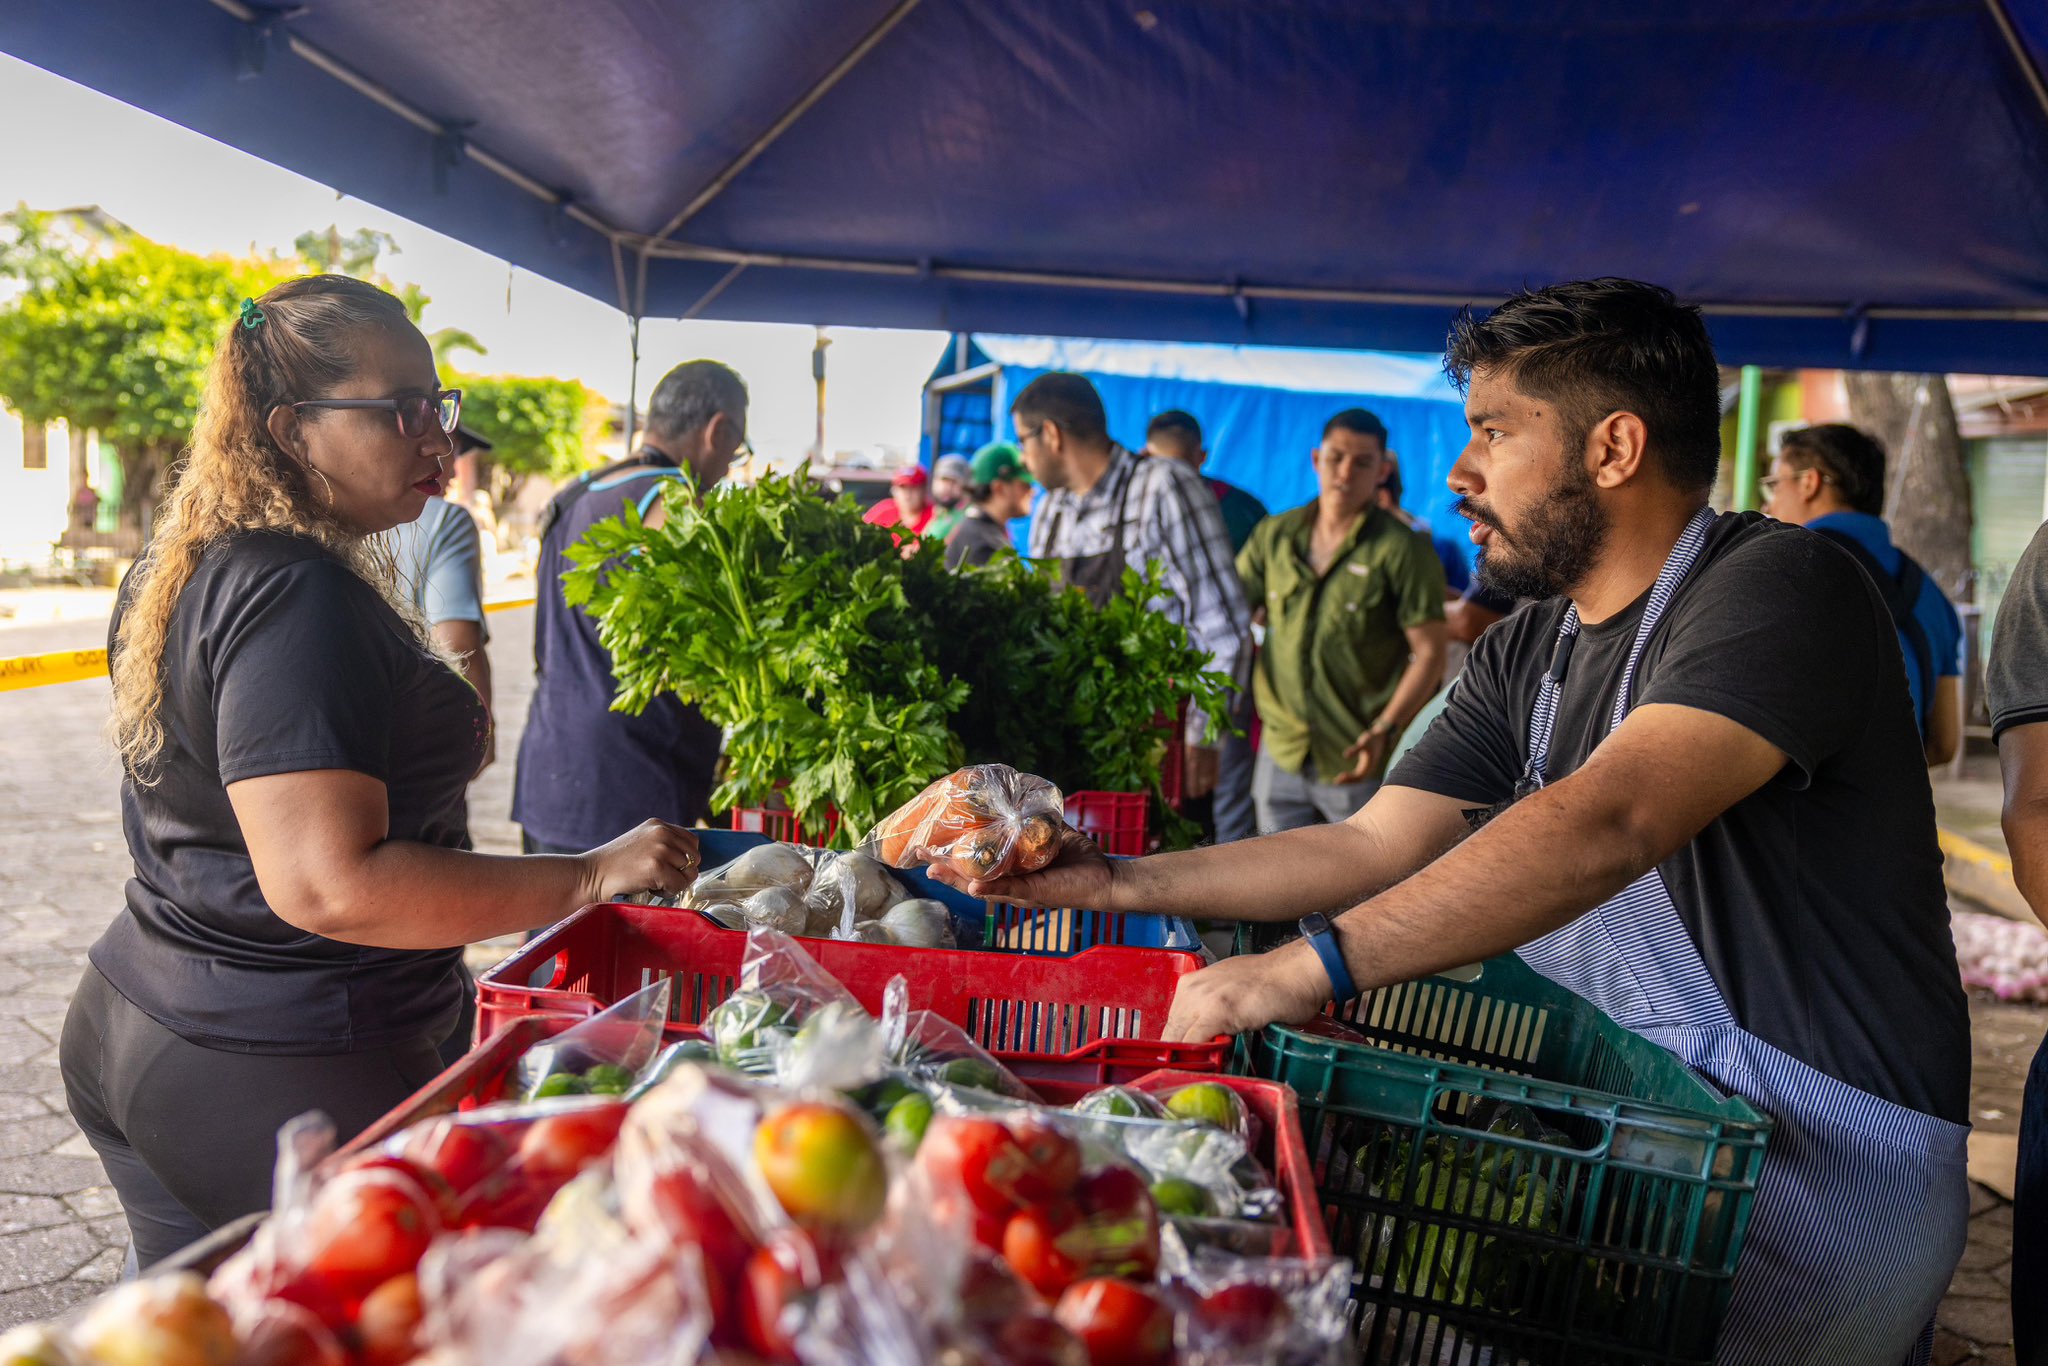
(820, 895)
(940, 1054)
(780, 987)
(984, 821)
(601, 1056)
(1284, 1310)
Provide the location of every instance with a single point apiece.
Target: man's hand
(1198, 773)
(1238, 995)
(1368, 755)
(1080, 877)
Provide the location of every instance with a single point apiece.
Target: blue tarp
(1262, 409)
(1851, 182)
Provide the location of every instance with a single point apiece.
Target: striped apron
(1861, 1208)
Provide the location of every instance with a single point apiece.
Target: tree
(535, 426)
(1927, 480)
(115, 335)
(328, 250)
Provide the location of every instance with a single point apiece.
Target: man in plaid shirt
(1106, 509)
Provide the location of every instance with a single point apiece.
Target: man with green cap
(1000, 490)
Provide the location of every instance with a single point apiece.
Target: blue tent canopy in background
(1262, 409)
(1840, 182)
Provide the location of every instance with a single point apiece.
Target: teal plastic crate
(1609, 1236)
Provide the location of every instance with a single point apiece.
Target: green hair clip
(252, 316)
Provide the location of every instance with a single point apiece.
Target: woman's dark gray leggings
(188, 1134)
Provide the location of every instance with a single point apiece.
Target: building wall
(34, 503)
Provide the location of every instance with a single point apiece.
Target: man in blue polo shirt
(1830, 479)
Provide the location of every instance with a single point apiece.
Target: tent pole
(633, 393)
(1748, 408)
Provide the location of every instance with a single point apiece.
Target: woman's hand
(653, 856)
(1079, 877)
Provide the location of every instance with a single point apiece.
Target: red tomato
(990, 1291)
(367, 1227)
(446, 1202)
(463, 1155)
(1122, 1221)
(388, 1324)
(564, 1144)
(1120, 1324)
(979, 1157)
(776, 1276)
(283, 1334)
(692, 1212)
(1052, 1161)
(1243, 1315)
(1037, 1340)
(1047, 1246)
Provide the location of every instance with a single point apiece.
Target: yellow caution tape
(72, 666)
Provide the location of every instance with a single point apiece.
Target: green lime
(982, 1076)
(1178, 1197)
(907, 1120)
(1208, 1102)
(608, 1079)
(878, 1097)
(559, 1084)
(1117, 1102)
(747, 1027)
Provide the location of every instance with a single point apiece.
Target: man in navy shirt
(588, 774)
(1830, 479)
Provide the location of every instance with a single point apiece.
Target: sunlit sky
(66, 146)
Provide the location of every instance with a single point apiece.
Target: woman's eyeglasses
(418, 414)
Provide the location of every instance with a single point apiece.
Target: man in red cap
(909, 505)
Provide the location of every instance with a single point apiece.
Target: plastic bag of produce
(940, 1054)
(601, 1056)
(818, 894)
(781, 986)
(985, 821)
(1277, 1309)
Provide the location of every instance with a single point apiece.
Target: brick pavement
(62, 862)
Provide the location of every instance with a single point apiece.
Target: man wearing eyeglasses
(586, 773)
(1830, 479)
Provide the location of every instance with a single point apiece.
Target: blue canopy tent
(1840, 182)
(1261, 408)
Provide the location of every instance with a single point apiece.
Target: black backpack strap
(1901, 593)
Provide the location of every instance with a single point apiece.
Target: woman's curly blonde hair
(303, 343)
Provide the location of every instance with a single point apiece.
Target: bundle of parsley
(856, 676)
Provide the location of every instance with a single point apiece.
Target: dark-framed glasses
(418, 414)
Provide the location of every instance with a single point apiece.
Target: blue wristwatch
(1321, 937)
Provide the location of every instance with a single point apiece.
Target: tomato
(1122, 1221)
(824, 1165)
(1037, 1340)
(989, 1290)
(952, 1211)
(1052, 1161)
(367, 1227)
(1120, 1324)
(776, 1276)
(446, 1202)
(1047, 1246)
(979, 1157)
(463, 1155)
(1243, 1315)
(562, 1145)
(388, 1324)
(692, 1212)
(286, 1335)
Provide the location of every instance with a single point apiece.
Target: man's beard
(1553, 548)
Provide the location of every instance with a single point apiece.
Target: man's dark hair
(1360, 421)
(1391, 481)
(691, 395)
(1595, 347)
(1179, 424)
(1068, 401)
(1848, 455)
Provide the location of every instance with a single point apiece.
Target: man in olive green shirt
(1353, 604)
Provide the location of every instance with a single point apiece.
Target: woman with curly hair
(294, 760)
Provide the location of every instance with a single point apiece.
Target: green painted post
(1748, 409)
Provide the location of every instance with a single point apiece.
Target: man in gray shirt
(439, 559)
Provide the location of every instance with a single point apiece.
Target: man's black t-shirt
(977, 539)
(1816, 902)
(280, 659)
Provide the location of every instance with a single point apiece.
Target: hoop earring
(323, 483)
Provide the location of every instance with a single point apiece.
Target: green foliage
(859, 676)
(784, 620)
(329, 249)
(535, 426)
(115, 336)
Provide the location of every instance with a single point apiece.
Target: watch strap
(1322, 937)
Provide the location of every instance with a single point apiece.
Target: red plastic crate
(781, 824)
(1093, 1017)
(1281, 1148)
(1118, 821)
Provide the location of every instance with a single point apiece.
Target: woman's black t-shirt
(280, 659)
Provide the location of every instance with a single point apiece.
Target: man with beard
(1686, 785)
